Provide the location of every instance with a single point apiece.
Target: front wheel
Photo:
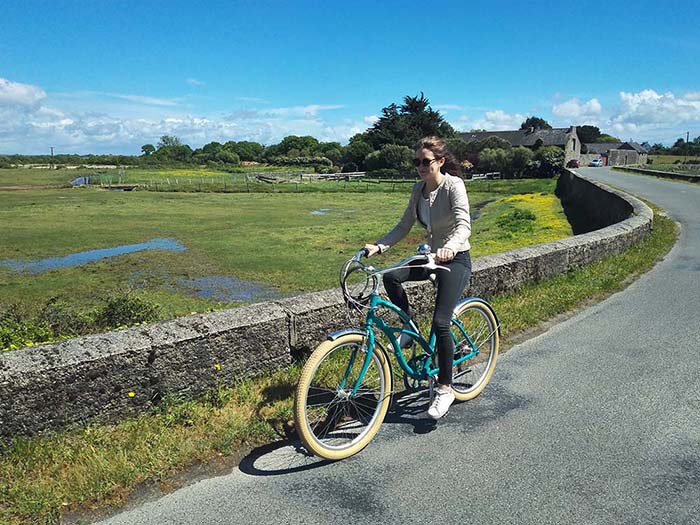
(335, 419)
(475, 333)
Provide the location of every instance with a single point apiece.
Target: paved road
(595, 421)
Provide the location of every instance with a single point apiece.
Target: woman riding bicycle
(439, 202)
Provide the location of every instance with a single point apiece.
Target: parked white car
(597, 163)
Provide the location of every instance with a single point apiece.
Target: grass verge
(44, 478)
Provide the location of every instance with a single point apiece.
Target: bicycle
(345, 387)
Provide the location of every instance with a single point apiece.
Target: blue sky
(104, 76)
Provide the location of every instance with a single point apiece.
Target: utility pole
(687, 145)
(51, 163)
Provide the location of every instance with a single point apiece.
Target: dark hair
(439, 149)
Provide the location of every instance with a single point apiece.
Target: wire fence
(263, 182)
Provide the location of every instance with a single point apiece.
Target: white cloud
(306, 111)
(447, 107)
(370, 119)
(150, 101)
(195, 82)
(252, 99)
(574, 108)
(642, 116)
(31, 121)
(652, 116)
(497, 120)
(16, 94)
(646, 115)
(651, 108)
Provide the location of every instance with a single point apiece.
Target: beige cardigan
(450, 223)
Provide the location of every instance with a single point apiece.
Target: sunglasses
(424, 162)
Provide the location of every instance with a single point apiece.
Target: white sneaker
(441, 404)
(405, 340)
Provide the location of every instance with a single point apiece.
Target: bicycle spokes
(475, 334)
(341, 402)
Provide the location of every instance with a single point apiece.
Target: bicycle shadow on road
(409, 408)
(283, 457)
(289, 456)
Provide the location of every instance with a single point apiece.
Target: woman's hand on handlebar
(372, 249)
(444, 255)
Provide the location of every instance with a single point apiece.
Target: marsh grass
(99, 466)
(293, 243)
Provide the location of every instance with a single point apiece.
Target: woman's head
(435, 148)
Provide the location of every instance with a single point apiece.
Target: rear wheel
(332, 422)
(475, 334)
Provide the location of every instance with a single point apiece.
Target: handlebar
(424, 254)
(359, 297)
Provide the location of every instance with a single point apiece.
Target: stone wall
(665, 174)
(106, 377)
(616, 157)
(624, 157)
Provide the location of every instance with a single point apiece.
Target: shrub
(391, 156)
(62, 319)
(125, 310)
(517, 220)
(17, 332)
(549, 160)
(350, 167)
(491, 159)
(299, 161)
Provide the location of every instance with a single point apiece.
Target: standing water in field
(220, 288)
(80, 258)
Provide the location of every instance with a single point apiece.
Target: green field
(672, 159)
(173, 179)
(286, 243)
(675, 163)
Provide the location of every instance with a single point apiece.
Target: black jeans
(450, 286)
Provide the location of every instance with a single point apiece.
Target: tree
(536, 123)
(550, 160)
(520, 160)
(495, 143)
(304, 145)
(248, 151)
(356, 151)
(459, 148)
(169, 140)
(330, 150)
(228, 157)
(391, 156)
(406, 124)
(491, 159)
(147, 149)
(679, 147)
(588, 134)
(476, 146)
(658, 149)
(180, 154)
(604, 137)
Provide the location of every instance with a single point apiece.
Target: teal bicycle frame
(425, 372)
